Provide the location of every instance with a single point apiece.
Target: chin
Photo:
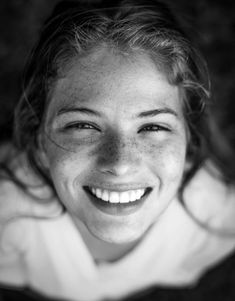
(115, 234)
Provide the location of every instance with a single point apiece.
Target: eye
(153, 128)
(81, 126)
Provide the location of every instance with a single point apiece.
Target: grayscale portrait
(117, 150)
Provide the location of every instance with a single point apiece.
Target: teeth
(139, 193)
(105, 195)
(118, 197)
(98, 193)
(132, 196)
(114, 197)
(124, 197)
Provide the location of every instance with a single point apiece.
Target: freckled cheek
(65, 164)
(167, 159)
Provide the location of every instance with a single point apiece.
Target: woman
(110, 188)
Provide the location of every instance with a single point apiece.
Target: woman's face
(115, 143)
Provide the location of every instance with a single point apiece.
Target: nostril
(119, 167)
(118, 170)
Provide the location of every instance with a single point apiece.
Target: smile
(117, 197)
(117, 202)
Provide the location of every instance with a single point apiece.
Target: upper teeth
(118, 197)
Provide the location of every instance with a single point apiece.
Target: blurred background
(211, 25)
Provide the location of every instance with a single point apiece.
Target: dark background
(212, 28)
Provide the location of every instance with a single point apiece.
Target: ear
(41, 152)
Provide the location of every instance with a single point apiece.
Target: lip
(118, 209)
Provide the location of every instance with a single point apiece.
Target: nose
(118, 156)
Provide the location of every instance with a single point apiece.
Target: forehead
(107, 78)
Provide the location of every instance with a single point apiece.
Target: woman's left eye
(153, 128)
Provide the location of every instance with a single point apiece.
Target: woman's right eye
(81, 126)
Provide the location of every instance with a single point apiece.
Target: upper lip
(119, 187)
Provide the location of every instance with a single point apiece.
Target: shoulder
(210, 199)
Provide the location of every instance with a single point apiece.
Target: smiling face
(117, 145)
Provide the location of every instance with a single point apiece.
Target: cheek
(167, 158)
(65, 165)
(66, 169)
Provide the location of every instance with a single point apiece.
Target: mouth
(117, 202)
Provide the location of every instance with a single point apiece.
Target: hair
(75, 29)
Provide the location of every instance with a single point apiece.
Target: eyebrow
(155, 112)
(84, 110)
(79, 110)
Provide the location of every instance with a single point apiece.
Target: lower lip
(118, 209)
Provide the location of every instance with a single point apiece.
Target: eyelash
(154, 128)
(81, 126)
(89, 126)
